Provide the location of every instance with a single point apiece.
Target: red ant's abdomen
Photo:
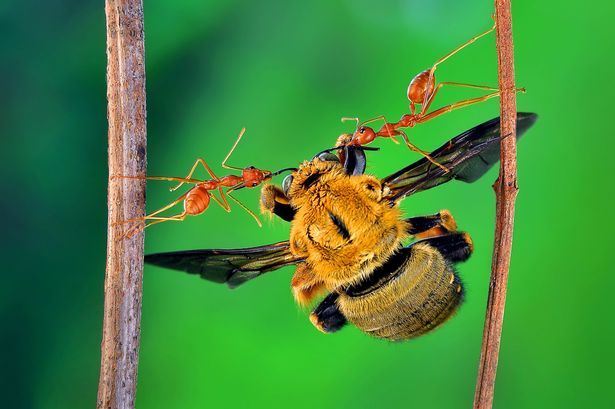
(196, 201)
(420, 86)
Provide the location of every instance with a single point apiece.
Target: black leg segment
(275, 201)
(443, 220)
(284, 211)
(326, 316)
(455, 247)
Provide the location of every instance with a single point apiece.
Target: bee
(347, 239)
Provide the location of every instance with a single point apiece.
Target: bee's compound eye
(328, 157)
(288, 180)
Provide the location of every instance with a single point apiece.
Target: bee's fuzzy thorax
(343, 226)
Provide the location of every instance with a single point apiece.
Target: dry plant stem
(506, 193)
(126, 200)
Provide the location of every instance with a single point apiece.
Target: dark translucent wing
(233, 267)
(467, 156)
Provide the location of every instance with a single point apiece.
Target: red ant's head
(253, 177)
(363, 135)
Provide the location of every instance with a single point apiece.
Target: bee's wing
(233, 267)
(467, 156)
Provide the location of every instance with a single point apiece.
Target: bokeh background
(288, 71)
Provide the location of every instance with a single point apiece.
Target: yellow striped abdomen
(411, 294)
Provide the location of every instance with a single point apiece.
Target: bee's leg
(305, 285)
(326, 316)
(273, 200)
(455, 247)
(433, 225)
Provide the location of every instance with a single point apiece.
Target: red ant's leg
(429, 95)
(171, 178)
(432, 96)
(422, 152)
(223, 203)
(224, 165)
(131, 232)
(149, 216)
(461, 47)
(196, 163)
(457, 105)
(244, 207)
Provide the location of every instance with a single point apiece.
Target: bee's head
(351, 156)
(310, 177)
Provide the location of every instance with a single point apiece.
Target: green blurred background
(288, 71)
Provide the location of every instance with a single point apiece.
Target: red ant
(421, 90)
(197, 199)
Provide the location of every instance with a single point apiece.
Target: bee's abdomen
(412, 293)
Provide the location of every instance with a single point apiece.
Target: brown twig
(506, 193)
(126, 200)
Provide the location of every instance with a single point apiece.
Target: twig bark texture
(126, 200)
(506, 193)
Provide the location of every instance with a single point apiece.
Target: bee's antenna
(283, 170)
(363, 148)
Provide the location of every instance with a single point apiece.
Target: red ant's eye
(254, 184)
(362, 129)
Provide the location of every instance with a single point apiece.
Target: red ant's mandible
(197, 199)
